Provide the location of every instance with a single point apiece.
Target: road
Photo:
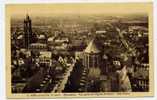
(61, 85)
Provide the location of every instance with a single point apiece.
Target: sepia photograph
(79, 50)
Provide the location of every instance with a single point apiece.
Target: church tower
(28, 36)
(92, 59)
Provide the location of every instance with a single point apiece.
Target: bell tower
(92, 59)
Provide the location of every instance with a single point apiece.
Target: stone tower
(92, 59)
(28, 36)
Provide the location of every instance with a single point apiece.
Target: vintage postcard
(79, 50)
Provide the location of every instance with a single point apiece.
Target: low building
(79, 55)
(77, 45)
(18, 87)
(42, 38)
(50, 40)
(45, 58)
(140, 78)
(101, 32)
(38, 47)
(61, 40)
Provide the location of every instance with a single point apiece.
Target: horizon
(50, 10)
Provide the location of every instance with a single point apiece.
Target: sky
(48, 10)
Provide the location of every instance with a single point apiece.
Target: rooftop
(37, 44)
(41, 36)
(45, 54)
(92, 48)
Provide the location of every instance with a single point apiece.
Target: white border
(2, 43)
(2, 52)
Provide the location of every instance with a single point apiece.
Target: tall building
(29, 37)
(92, 59)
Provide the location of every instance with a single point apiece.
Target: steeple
(28, 31)
(27, 17)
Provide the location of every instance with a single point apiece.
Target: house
(45, 58)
